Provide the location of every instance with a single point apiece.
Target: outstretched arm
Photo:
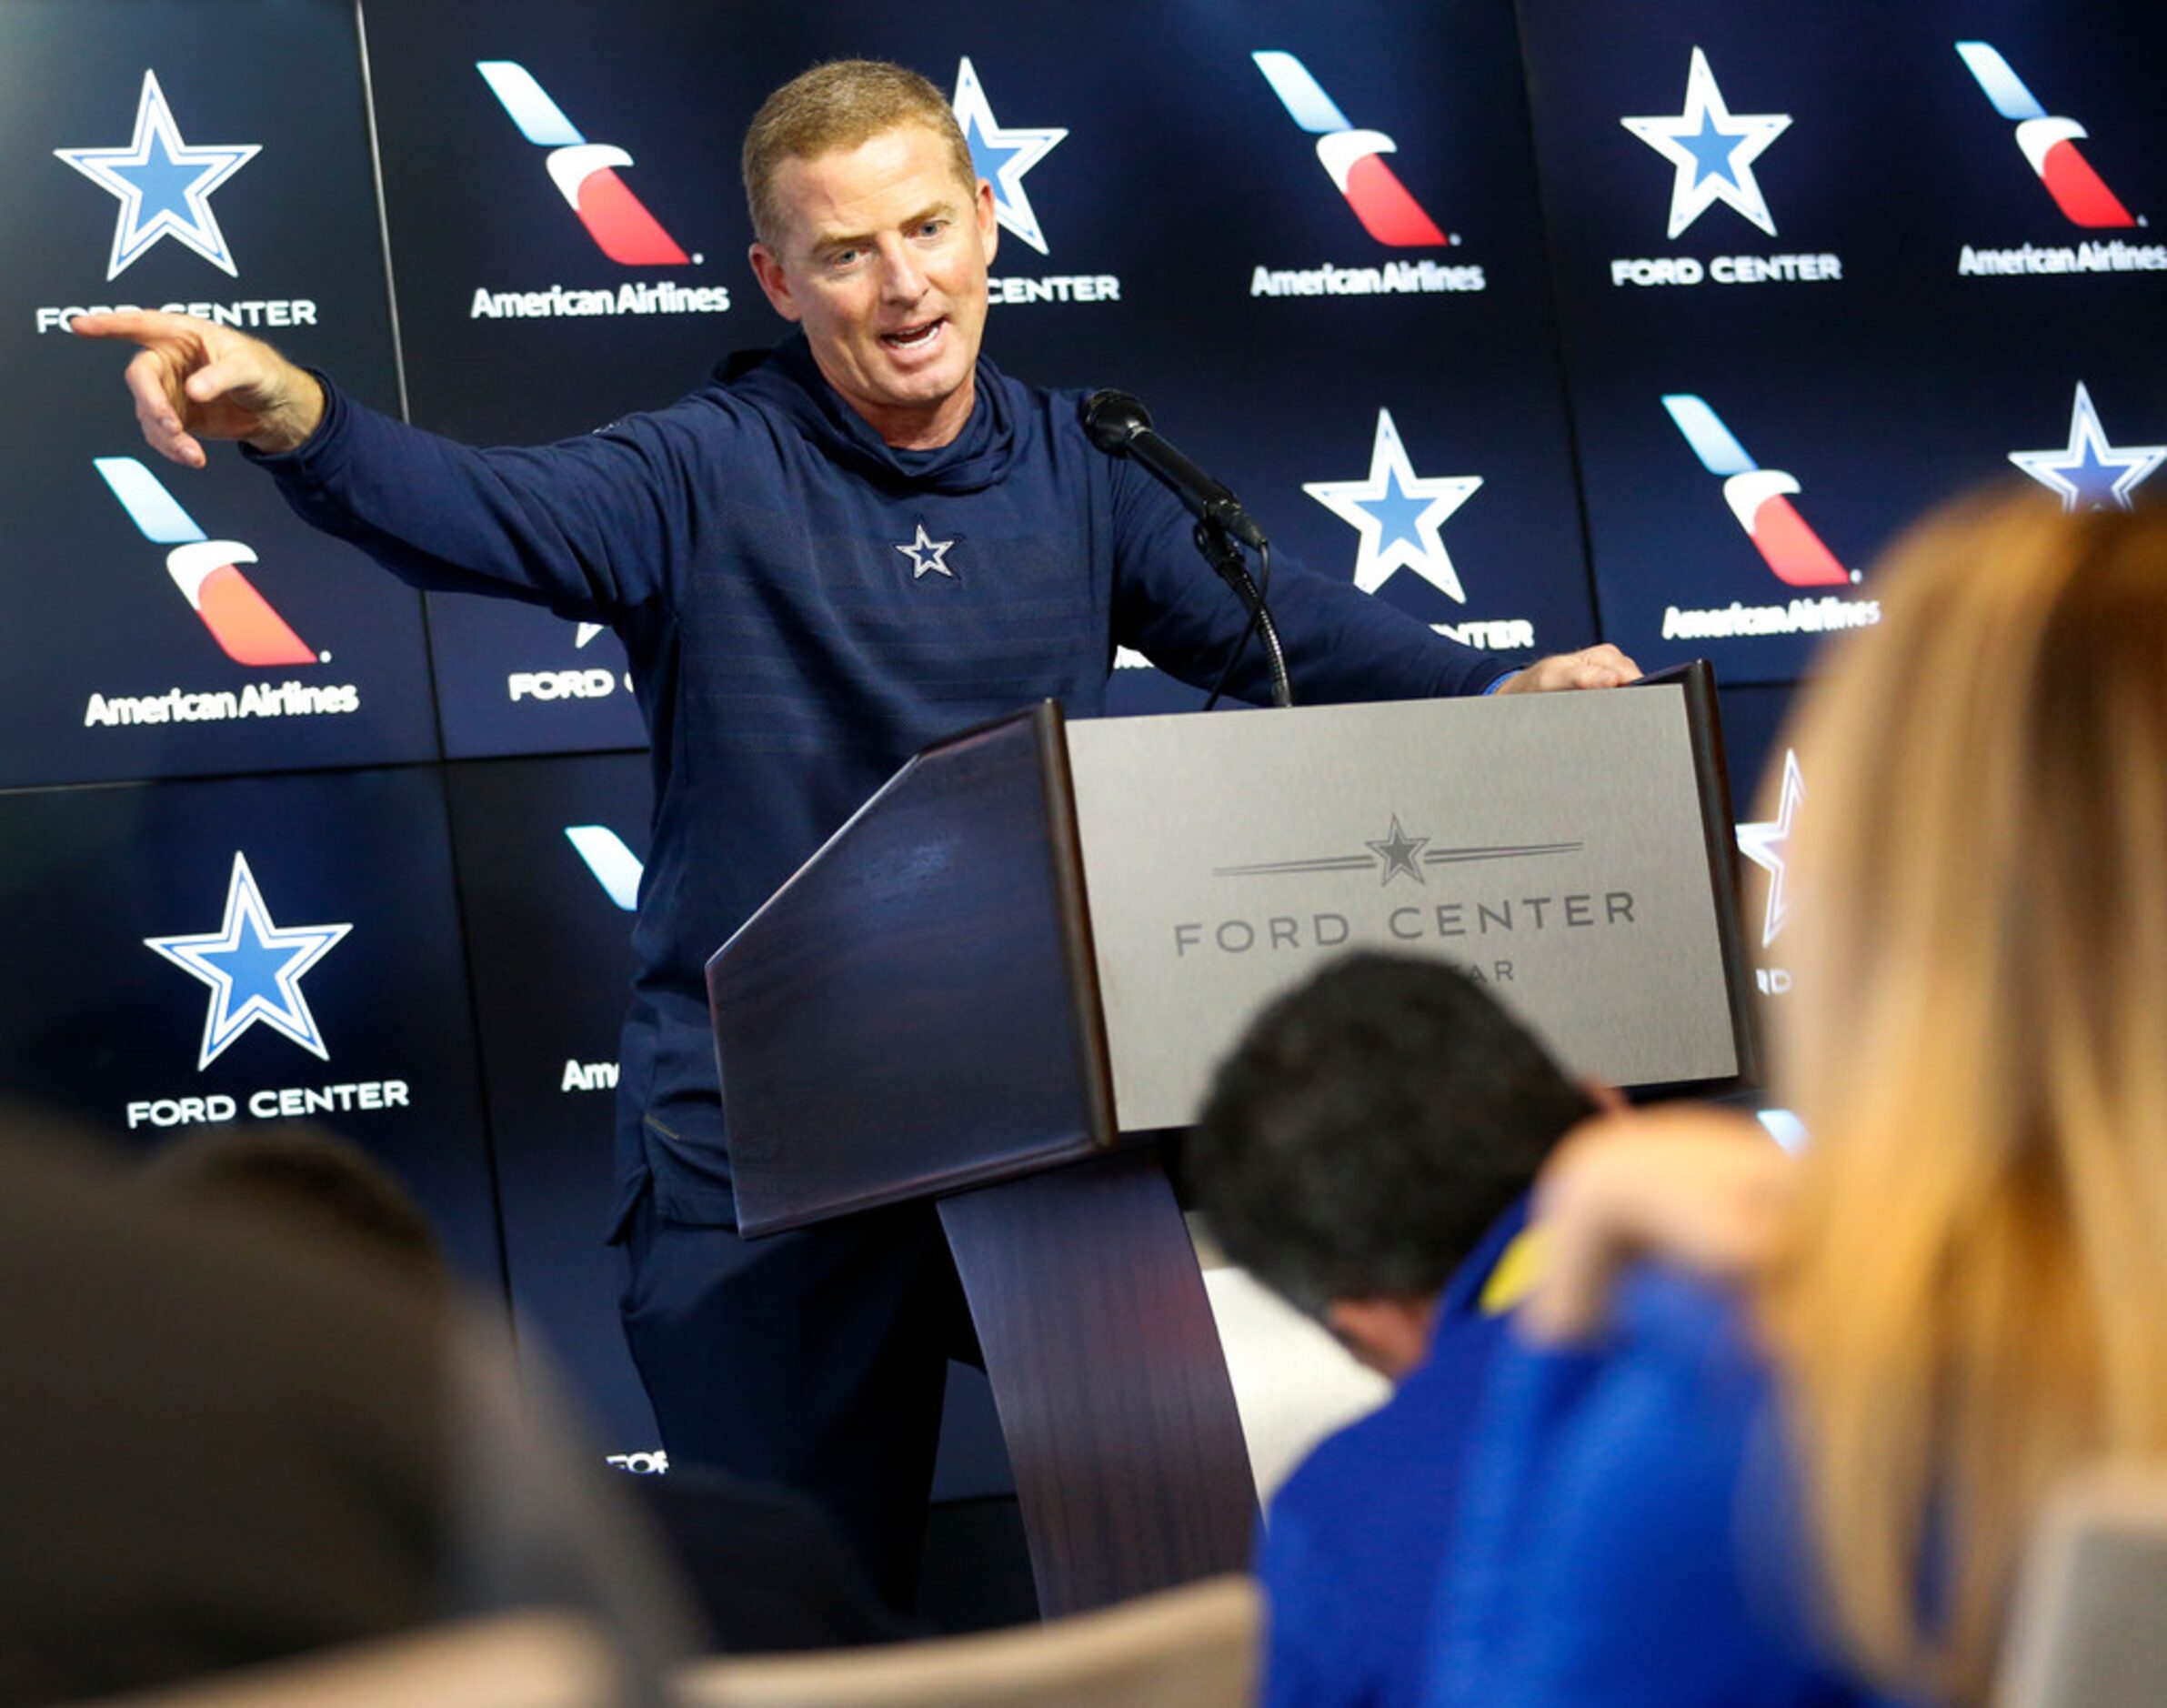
(589, 528)
(192, 381)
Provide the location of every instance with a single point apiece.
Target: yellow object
(1515, 1274)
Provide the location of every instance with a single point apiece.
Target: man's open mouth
(914, 337)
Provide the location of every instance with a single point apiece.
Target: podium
(1015, 966)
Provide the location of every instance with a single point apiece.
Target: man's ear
(1390, 1335)
(989, 227)
(773, 281)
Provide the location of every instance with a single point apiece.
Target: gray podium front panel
(1551, 843)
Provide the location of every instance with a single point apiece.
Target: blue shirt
(767, 561)
(1350, 1559)
(1630, 1532)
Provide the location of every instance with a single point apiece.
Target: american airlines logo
(587, 175)
(614, 865)
(2048, 143)
(206, 570)
(1352, 157)
(242, 623)
(1759, 500)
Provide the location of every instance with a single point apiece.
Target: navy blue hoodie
(788, 653)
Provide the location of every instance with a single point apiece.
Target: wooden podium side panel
(1130, 1464)
(902, 1019)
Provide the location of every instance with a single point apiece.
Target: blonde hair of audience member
(1973, 1294)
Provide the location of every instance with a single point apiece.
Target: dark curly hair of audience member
(1370, 1125)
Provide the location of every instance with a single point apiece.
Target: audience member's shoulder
(1666, 1325)
(93, 1256)
(208, 1398)
(1317, 1490)
(70, 1201)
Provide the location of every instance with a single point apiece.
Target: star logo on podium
(164, 185)
(2089, 473)
(1766, 844)
(1002, 154)
(927, 556)
(1397, 852)
(1400, 516)
(1714, 149)
(254, 968)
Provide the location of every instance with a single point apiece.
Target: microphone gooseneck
(1118, 424)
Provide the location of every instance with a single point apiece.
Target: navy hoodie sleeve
(1341, 644)
(590, 526)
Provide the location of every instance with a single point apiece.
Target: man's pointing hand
(194, 381)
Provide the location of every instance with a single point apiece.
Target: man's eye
(843, 257)
(932, 227)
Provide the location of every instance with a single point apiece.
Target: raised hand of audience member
(1700, 1188)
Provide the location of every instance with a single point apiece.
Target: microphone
(1118, 424)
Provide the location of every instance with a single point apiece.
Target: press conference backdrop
(1547, 324)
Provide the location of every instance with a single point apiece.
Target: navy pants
(815, 1358)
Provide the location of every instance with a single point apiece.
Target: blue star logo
(254, 968)
(2088, 472)
(1711, 150)
(1766, 844)
(1398, 515)
(927, 556)
(164, 186)
(1002, 154)
(1714, 149)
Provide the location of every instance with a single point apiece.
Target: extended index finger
(139, 326)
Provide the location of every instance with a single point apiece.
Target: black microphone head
(1112, 418)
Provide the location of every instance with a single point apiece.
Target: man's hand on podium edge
(1593, 667)
(194, 381)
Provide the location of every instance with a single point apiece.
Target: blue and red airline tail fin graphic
(207, 571)
(584, 173)
(616, 866)
(1757, 497)
(2048, 142)
(1379, 200)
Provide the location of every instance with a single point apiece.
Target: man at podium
(872, 539)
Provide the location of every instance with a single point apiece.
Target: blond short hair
(840, 104)
(1974, 1299)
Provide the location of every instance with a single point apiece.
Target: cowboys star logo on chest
(927, 556)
